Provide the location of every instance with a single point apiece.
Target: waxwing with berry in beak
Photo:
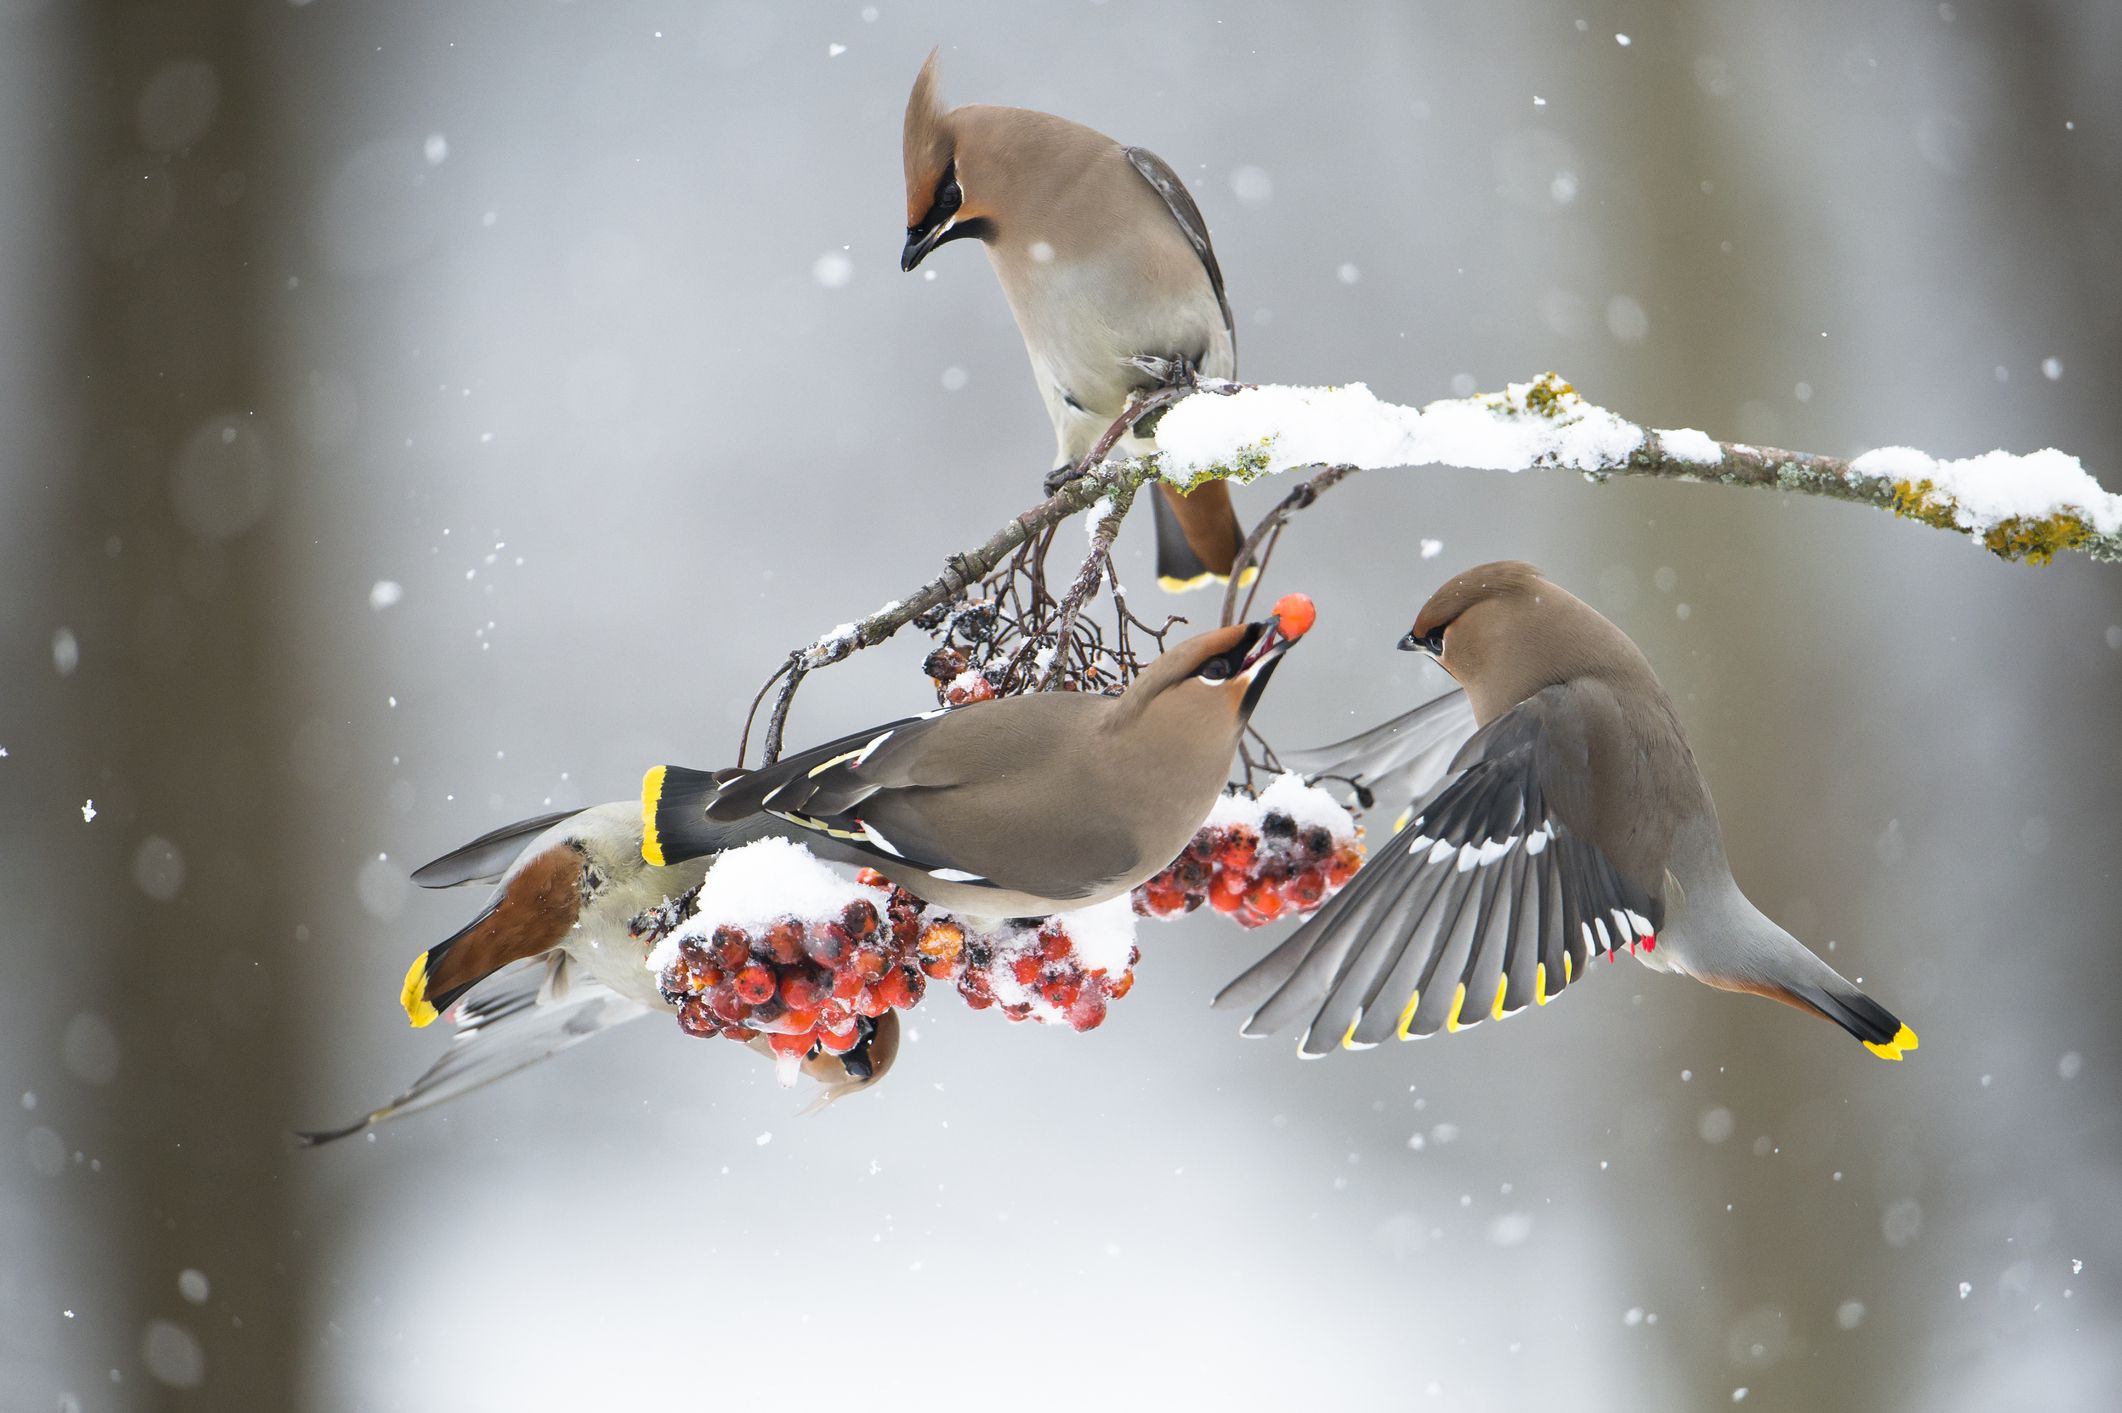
(1016, 807)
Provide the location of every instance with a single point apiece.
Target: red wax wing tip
(1295, 614)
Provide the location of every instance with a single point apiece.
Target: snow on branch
(2025, 507)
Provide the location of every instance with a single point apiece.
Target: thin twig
(1086, 582)
(1325, 478)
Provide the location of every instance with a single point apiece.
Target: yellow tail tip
(651, 795)
(1904, 1040)
(1173, 584)
(414, 995)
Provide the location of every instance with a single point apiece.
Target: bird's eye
(1215, 669)
(949, 197)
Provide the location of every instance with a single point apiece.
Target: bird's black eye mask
(1433, 643)
(1226, 665)
(935, 228)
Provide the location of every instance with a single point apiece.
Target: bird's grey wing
(1180, 202)
(826, 781)
(919, 792)
(1399, 763)
(513, 1020)
(1486, 900)
(956, 835)
(487, 857)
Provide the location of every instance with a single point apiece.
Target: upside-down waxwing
(1106, 263)
(1016, 807)
(1574, 823)
(569, 887)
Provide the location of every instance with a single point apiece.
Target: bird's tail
(1198, 536)
(1748, 952)
(674, 823)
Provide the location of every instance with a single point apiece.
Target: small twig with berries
(1092, 480)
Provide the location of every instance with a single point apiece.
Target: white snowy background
(415, 416)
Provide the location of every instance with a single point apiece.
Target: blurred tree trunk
(175, 946)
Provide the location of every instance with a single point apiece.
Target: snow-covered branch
(2028, 507)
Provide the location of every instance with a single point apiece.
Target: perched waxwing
(1015, 807)
(1106, 263)
(569, 887)
(1573, 823)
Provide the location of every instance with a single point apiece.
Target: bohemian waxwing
(569, 887)
(1015, 807)
(1574, 822)
(1106, 263)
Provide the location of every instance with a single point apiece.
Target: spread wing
(487, 857)
(1398, 763)
(1485, 901)
(1165, 182)
(517, 1018)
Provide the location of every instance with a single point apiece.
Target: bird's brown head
(936, 208)
(1505, 633)
(1220, 674)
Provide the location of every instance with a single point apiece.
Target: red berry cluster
(1253, 875)
(1027, 970)
(801, 983)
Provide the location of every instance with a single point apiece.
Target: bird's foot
(1061, 475)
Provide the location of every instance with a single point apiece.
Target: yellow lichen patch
(1550, 395)
(1919, 500)
(2036, 541)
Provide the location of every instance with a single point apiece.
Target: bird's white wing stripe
(863, 755)
(869, 832)
(955, 875)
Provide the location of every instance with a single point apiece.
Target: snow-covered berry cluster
(1063, 969)
(779, 946)
(774, 944)
(1256, 860)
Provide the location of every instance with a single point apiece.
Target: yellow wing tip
(1407, 1014)
(1495, 1012)
(1451, 1022)
(651, 795)
(1540, 984)
(413, 996)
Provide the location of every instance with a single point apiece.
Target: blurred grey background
(414, 416)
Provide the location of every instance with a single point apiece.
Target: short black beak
(919, 242)
(1413, 644)
(1269, 644)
